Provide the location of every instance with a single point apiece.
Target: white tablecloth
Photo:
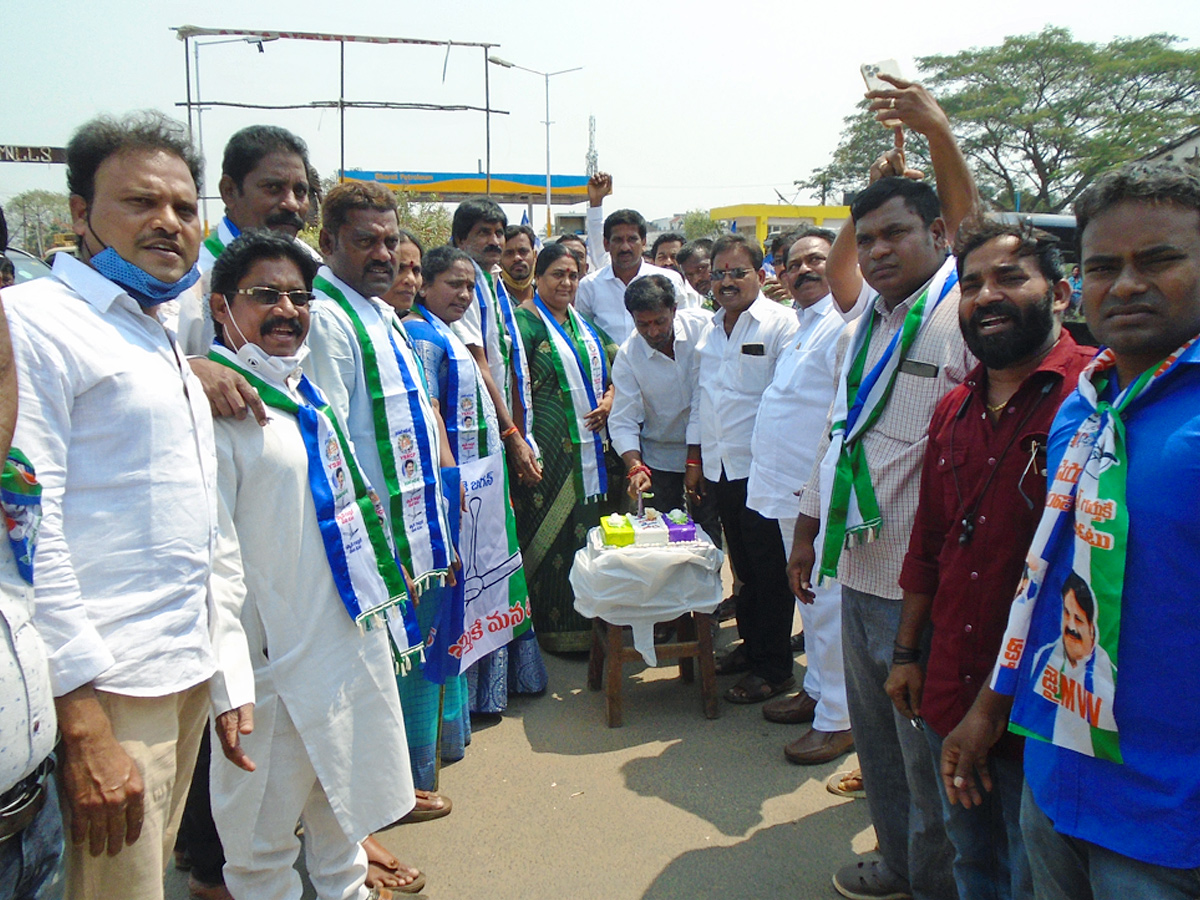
(642, 586)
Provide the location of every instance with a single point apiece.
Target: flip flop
(427, 812)
(754, 689)
(847, 784)
(384, 870)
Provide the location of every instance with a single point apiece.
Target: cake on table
(651, 529)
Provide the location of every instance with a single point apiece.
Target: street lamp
(196, 45)
(495, 60)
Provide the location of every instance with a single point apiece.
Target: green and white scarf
(349, 513)
(853, 515)
(468, 411)
(214, 245)
(406, 435)
(582, 378)
(1084, 529)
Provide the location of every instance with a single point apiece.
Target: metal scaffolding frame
(186, 33)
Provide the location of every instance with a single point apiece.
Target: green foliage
(426, 217)
(1041, 114)
(863, 140)
(697, 223)
(1044, 114)
(34, 217)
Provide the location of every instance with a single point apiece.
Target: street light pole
(547, 76)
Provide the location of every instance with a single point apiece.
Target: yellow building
(768, 219)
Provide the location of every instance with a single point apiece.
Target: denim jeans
(1067, 868)
(31, 863)
(902, 791)
(990, 862)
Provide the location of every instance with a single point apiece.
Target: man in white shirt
(654, 391)
(737, 359)
(321, 737)
(31, 828)
(696, 268)
(601, 295)
(120, 434)
(790, 420)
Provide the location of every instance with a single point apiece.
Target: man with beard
(982, 488)
(696, 268)
(795, 405)
(516, 262)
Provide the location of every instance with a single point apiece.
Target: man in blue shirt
(1118, 813)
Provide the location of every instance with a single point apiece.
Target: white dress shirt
(791, 417)
(734, 370)
(27, 718)
(601, 298)
(120, 434)
(653, 394)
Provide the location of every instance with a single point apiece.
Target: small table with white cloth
(639, 587)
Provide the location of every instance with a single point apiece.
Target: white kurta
(336, 684)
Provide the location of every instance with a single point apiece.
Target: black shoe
(797, 642)
(726, 609)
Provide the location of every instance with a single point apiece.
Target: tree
(34, 218)
(863, 139)
(427, 218)
(698, 223)
(1041, 115)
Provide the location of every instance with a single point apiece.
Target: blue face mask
(140, 284)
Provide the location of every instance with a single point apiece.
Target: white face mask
(274, 368)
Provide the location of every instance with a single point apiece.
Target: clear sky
(697, 104)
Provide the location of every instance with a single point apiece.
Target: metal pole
(547, 157)
(487, 115)
(342, 112)
(187, 76)
(200, 132)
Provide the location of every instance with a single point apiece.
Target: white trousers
(262, 867)
(825, 679)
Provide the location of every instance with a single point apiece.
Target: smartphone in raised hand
(872, 71)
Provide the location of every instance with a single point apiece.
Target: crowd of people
(315, 508)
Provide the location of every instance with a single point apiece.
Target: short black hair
(105, 136)
(667, 237)
(552, 253)
(690, 249)
(438, 260)
(781, 241)
(735, 240)
(513, 230)
(473, 211)
(977, 231)
(251, 246)
(350, 195)
(6, 266)
(650, 294)
(625, 217)
(247, 148)
(1140, 182)
(806, 231)
(1074, 584)
(570, 236)
(917, 195)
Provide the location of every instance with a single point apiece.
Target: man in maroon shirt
(982, 490)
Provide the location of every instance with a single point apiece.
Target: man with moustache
(120, 435)
(736, 361)
(490, 332)
(982, 487)
(303, 559)
(904, 354)
(652, 402)
(1117, 816)
(601, 295)
(791, 415)
(696, 268)
(516, 262)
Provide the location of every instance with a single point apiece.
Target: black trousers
(765, 604)
(197, 831)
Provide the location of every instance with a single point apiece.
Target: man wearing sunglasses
(323, 690)
(983, 485)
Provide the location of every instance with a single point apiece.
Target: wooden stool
(696, 642)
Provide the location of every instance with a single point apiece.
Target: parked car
(28, 266)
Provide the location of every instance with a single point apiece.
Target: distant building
(1184, 150)
(764, 220)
